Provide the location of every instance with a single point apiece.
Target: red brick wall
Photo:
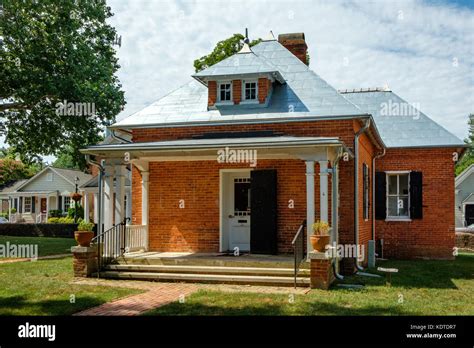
(212, 93)
(433, 236)
(237, 91)
(264, 86)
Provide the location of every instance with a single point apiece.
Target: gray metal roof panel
(413, 129)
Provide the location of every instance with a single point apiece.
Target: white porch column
(119, 194)
(96, 208)
(145, 178)
(108, 197)
(323, 191)
(309, 203)
(9, 209)
(86, 206)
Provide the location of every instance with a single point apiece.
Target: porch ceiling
(282, 147)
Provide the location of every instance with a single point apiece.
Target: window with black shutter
(416, 195)
(380, 196)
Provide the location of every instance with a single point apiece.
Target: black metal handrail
(111, 244)
(298, 248)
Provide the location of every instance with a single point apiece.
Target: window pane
(392, 184)
(403, 206)
(392, 206)
(241, 197)
(403, 184)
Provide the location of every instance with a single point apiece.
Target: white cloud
(409, 45)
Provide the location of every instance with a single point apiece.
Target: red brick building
(252, 146)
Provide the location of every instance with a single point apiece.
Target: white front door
(238, 211)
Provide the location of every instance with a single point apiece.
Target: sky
(423, 50)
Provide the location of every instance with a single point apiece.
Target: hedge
(38, 230)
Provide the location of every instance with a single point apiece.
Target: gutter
(335, 212)
(116, 137)
(100, 166)
(373, 191)
(356, 190)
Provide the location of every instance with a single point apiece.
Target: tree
(468, 157)
(223, 49)
(56, 60)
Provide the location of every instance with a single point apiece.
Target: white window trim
(397, 218)
(250, 101)
(223, 102)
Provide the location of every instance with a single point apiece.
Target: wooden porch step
(207, 278)
(191, 269)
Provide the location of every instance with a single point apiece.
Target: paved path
(48, 257)
(137, 304)
(159, 294)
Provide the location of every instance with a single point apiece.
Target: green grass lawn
(46, 245)
(420, 288)
(42, 288)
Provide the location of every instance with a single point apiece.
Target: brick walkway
(159, 294)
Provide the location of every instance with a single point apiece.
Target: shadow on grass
(436, 274)
(19, 305)
(308, 308)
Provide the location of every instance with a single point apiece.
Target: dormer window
(225, 92)
(250, 90)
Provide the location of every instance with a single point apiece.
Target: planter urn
(83, 238)
(319, 242)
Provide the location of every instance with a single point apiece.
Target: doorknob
(231, 216)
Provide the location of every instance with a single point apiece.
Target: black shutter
(380, 196)
(60, 203)
(20, 205)
(263, 208)
(33, 204)
(416, 195)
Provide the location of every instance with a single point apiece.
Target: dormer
(242, 79)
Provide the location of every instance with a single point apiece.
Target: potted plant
(320, 236)
(84, 233)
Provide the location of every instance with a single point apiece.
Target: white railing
(135, 237)
(40, 218)
(14, 217)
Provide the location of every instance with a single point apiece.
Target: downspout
(373, 191)
(356, 190)
(100, 166)
(335, 213)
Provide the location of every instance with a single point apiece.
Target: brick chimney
(296, 44)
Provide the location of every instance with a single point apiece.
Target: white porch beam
(309, 203)
(108, 197)
(323, 191)
(86, 206)
(119, 193)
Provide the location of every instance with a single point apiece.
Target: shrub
(71, 210)
(12, 211)
(61, 220)
(55, 213)
(85, 226)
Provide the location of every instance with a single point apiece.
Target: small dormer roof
(243, 64)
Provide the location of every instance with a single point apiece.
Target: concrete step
(207, 278)
(220, 261)
(193, 269)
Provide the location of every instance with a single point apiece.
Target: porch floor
(209, 259)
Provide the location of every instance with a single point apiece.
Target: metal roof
(399, 123)
(237, 65)
(304, 94)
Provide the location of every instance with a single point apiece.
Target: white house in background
(48, 190)
(464, 189)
